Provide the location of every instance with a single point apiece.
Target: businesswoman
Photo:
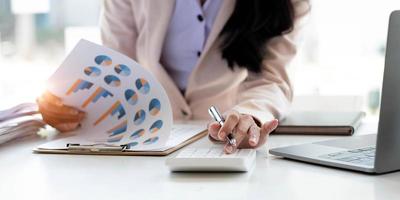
(231, 54)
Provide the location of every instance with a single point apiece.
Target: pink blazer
(137, 28)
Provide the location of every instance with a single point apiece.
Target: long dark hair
(251, 25)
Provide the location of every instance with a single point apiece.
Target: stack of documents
(19, 121)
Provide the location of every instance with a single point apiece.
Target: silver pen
(213, 111)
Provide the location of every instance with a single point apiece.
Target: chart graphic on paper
(112, 80)
(156, 126)
(92, 71)
(139, 118)
(122, 70)
(137, 134)
(142, 85)
(154, 107)
(150, 141)
(79, 85)
(117, 132)
(124, 103)
(131, 97)
(119, 129)
(99, 93)
(103, 60)
(115, 110)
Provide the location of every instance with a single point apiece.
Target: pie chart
(156, 126)
(131, 97)
(103, 60)
(139, 117)
(151, 140)
(154, 107)
(132, 144)
(112, 80)
(115, 139)
(142, 85)
(92, 71)
(137, 134)
(122, 70)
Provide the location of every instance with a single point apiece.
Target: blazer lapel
(223, 15)
(159, 16)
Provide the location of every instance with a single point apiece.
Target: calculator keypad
(211, 153)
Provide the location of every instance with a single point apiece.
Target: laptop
(376, 153)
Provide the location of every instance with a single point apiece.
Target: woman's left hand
(245, 130)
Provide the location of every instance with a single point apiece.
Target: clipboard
(64, 146)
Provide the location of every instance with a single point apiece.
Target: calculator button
(212, 159)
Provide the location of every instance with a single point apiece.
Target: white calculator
(212, 159)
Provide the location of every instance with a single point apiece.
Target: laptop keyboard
(362, 156)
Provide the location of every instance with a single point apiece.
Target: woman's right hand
(56, 114)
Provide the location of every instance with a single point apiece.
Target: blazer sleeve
(118, 29)
(268, 95)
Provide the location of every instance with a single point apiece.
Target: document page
(180, 133)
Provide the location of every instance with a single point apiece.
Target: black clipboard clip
(96, 148)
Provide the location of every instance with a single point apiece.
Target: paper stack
(19, 121)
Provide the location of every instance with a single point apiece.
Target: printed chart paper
(124, 103)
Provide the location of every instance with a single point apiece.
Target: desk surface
(24, 175)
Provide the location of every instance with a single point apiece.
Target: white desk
(24, 175)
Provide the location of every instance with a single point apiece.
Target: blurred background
(340, 61)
